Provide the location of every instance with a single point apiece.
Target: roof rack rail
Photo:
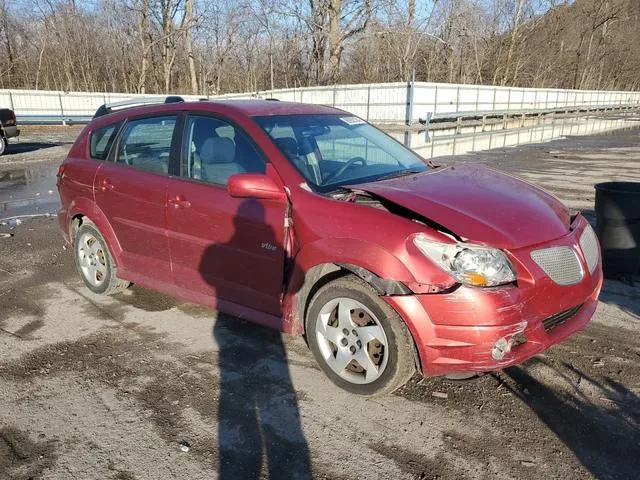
(135, 102)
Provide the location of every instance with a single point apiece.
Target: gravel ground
(108, 388)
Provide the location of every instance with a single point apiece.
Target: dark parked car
(307, 219)
(8, 127)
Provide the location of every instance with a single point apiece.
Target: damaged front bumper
(484, 329)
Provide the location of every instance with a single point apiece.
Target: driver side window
(214, 150)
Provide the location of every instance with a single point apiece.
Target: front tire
(358, 340)
(94, 261)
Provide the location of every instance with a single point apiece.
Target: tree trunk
(334, 37)
(188, 35)
(514, 38)
(407, 56)
(143, 34)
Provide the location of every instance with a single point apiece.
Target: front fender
(353, 251)
(327, 255)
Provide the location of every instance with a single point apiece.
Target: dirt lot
(108, 388)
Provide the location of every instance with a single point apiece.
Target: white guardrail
(378, 103)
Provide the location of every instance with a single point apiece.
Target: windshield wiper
(337, 191)
(399, 173)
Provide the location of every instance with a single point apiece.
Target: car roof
(256, 108)
(250, 108)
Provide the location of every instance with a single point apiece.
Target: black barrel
(618, 228)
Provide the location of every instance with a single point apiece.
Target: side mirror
(254, 185)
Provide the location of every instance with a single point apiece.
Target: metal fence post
(427, 120)
(368, 100)
(407, 138)
(495, 93)
(11, 100)
(473, 141)
(509, 100)
(435, 101)
(334, 95)
(410, 88)
(61, 109)
(477, 98)
(546, 100)
(457, 102)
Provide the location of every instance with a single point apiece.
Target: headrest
(218, 150)
(288, 145)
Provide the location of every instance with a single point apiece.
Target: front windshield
(335, 150)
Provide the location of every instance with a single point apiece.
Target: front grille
(589, 246)
(561, 264)
(559, 318)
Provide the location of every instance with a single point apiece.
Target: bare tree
(189, 21)
(216, 47)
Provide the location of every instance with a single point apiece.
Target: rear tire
(3, 144)
(358, 340)
(94, 261)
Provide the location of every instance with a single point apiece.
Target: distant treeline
(204, 47)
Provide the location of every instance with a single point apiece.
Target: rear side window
(101, 140)
(146, 144)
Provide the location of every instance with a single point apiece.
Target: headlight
(469, 264)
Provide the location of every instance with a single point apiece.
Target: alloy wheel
(352, 341)
(92, 259)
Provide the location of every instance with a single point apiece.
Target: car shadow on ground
(259, 429)
(599, 423)
(28, 147)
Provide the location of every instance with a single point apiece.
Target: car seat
(289, 146)
(217, 157)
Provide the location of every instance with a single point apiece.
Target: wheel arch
(317, 265)
(84, 209)
(338, 256)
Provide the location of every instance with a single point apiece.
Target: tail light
(60, 174)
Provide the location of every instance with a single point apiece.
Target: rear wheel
(94, 261)
(3, 144)
(358, 340)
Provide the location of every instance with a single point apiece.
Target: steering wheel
(352, 161)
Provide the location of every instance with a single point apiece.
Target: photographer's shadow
(259, 430)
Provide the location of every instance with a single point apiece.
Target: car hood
(479, 204)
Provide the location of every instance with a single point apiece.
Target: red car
(307, 219)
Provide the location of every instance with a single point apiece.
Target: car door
(131, 191)
(224, 247)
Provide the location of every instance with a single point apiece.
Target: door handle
(106, 186)
(179, 202)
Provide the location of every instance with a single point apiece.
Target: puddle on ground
(28, 191)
